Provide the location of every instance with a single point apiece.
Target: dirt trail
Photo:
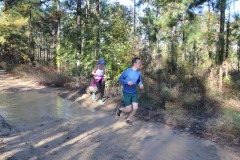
(98, 135)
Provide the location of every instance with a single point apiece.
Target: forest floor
(100, 135)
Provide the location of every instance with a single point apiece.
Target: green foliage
(166, 29)
(115, 46)
(234, 117)
(228, 81)
(238, 84)
(13, 35)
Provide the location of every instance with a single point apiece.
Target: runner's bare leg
(134, 110)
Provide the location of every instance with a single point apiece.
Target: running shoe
(129, 122)
(93, 96)
(101, 102)
(118, 112)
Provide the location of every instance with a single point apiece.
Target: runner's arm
(122, 78)
(94, 70)
(140, 82)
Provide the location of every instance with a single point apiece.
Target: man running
(130, 78)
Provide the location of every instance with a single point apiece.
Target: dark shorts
(129, 98)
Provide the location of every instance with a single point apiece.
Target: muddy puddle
(32, 108)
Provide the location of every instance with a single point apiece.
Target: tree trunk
(79, 28)
(194, 55)
(98, 27)
(209, 30)
(173, 57)
(226, 68)
(220, 79)
(44, 55)
(211, 78)
(183, 47)
(40, 54)
(134, 17)
(238, 51)
(87, 9)
(30, 37)
(56, 33)
(228, 32)
(221, 33)
(79, 37)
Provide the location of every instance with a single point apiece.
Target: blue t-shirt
(130, 75)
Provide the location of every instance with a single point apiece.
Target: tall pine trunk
(238, 51)
(221, 34)
(209, 43)
(56, 33)
(134, 17)
(87, 9)
(79, 35)
(173, 52)
(30, 37)
(228, 31)
(98, 28)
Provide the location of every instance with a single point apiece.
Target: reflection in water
(59, 106)
(63, 108)
(29, 107)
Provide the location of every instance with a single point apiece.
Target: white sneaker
(93, 96)
(101, 102)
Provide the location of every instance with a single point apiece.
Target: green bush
(234, 117)
(237, 85)
(228, 81)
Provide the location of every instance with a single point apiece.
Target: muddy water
(31, 108)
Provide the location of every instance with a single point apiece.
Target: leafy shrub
(237, 85)
(228, 81)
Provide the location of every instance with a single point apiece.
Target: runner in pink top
(98, 73)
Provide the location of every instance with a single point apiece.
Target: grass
(234, 117)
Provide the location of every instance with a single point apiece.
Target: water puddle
(31, 107)
(2, 71)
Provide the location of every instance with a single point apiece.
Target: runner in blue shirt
(130, 78)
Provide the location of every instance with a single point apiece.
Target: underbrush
(43, 75)
(187, 103)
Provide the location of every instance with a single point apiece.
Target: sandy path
(100, 136)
